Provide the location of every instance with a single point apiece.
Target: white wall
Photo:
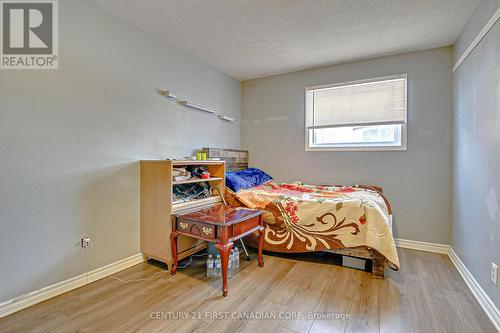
(476, 164)
(70, 141)
(417, 181)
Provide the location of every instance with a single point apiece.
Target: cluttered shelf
(192, 184)
(197, 172)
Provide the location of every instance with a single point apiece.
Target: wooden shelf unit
(157, 206)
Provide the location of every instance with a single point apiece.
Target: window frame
(370, 147)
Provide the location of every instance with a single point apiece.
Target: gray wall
(476, 177)
(70, 141)
(417, 181)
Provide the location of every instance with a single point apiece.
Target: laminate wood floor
(290, 294)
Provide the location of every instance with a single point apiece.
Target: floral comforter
(303, 218)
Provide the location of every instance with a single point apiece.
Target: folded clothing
(180, 174)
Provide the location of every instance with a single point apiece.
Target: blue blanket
(244, 179)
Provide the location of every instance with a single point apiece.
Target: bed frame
(238, 160)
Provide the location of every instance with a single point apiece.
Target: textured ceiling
(255, 38)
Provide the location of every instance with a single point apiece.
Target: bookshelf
(157, 206)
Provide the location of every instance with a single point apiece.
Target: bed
(354, 221)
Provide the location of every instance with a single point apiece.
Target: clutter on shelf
(179, 174)
(188, 192)
(197, 171)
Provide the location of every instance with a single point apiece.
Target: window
(360, 115)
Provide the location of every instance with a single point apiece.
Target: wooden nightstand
(221, 225)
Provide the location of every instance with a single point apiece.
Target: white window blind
(370, 102)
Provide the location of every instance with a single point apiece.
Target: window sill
(378, 148)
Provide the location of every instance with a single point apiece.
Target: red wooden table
(221, 225)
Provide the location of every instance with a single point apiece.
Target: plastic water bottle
(210, 266)
(236, 264)
(233, 256)
(230, 264)
(231, 259)
(218, 267)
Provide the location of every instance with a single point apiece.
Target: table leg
(173, 243)
(224, 250)
(261, 241)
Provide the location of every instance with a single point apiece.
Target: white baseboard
(484, 300)
(37, 296)
(486, 303)
(422, 246)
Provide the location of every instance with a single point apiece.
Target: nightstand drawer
(245, 226)
(204, 230)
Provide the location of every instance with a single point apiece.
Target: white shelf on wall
(169, 94)
(197, 107)
(226, 117)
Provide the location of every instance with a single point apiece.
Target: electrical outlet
(494, 273)
(85, 241)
